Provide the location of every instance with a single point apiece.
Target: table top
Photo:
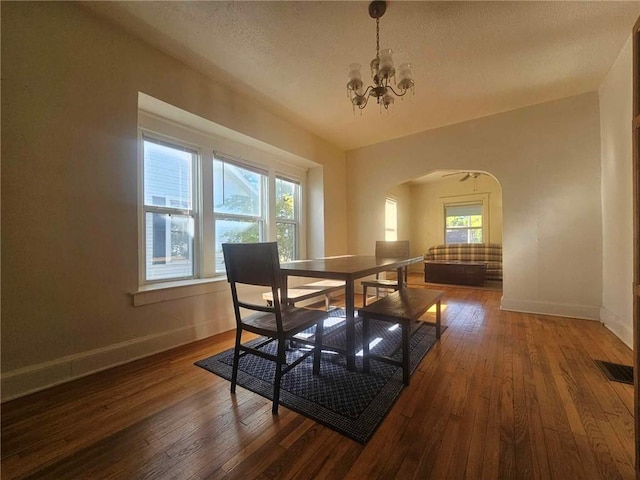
(346, 267)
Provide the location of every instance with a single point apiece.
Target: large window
(168, 210)
(238, 206)
(193, 201)
(463, 223)
(287, 218)
(390, 220)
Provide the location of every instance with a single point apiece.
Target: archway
(423, 201)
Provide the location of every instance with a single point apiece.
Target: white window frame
(193, 212)
(295, 222)
(262, 219)
(207, 147)
(475, 199)
(390, 232)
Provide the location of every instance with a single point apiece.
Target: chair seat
(381, 283)
(294, 320)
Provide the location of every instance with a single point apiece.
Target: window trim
(209, 145)
(469, 199)
(468, 229)
(262, 220)
(297, 213)
(143, 209)
(394, 201)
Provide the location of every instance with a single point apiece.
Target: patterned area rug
(352, 403)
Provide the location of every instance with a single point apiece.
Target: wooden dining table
(348, 268)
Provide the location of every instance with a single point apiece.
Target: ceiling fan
(465, 175)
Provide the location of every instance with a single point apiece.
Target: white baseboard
(33, 378)
(585, 312)
(617, 326)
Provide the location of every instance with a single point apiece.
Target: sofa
(491, 253)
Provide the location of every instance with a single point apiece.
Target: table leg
(350, 324)
(400, 277)
(438, 319)
(284, 298)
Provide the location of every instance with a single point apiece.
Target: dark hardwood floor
(503, 395)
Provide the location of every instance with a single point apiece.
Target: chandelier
(382, 72)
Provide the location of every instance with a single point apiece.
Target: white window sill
(166, 291)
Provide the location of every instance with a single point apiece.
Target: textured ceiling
(471, 59)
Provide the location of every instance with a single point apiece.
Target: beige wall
(69, 194)
(427, 219)
(547, 160)
(617, 196)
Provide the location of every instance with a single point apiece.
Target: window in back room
(391, 220)
(463, 223)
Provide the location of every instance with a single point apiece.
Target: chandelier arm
(365, 95)
(396, 93)
(367, 91)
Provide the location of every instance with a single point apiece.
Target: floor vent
(616, 372)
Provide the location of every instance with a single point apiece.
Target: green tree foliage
(250, 233)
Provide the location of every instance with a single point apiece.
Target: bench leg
(365, 345)
(438, 319)
(405, 352)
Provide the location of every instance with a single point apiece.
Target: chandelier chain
(378, 38)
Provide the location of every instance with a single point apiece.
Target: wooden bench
(404, 307)
(309, 291)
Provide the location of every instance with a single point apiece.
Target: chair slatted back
(254, 264)
(392, 249)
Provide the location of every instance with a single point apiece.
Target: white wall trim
(162, 292)
(33, 378)
(585, 312)
(617, 326)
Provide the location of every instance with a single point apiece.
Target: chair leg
(318, 347)
(365, 345)
(364, 295)
(406, 327)
(236, 359)
(276, 382)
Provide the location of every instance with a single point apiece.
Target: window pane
(236, 190)
(458, 221)
(167, 176)
(458, 235)
(285, 199)
(475, 235)
(475, 220)
(286, 238)
(234, 231)
(390, 220)
(169, 246)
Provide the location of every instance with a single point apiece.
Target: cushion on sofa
(491, 253)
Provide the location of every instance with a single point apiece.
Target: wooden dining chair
(258, 264)
(387, 249)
